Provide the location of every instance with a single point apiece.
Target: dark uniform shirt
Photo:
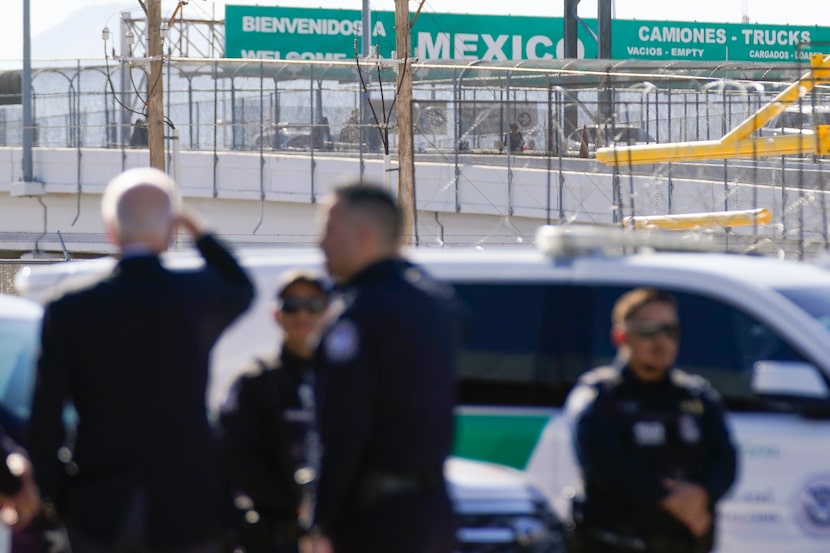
(631, 435)
(386, 395)
(264, 427)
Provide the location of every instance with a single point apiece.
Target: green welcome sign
(261, 32)
(326, 34)
(662, 40)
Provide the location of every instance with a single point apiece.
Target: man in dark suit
(131, 353)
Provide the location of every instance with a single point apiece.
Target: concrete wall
(272, 199)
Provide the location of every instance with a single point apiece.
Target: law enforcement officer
(387, 388)
(653, 448)
(266, 422)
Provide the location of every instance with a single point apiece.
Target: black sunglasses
(649, 329)
(293, 305)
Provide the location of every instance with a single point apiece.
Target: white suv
(756, 327)
(500, 509)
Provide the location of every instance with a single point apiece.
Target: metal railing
(235, 104)
(461, 116)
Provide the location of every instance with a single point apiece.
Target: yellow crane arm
(737, 142)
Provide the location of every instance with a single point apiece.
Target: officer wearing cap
(653, 447)
(387, 387)
(266, 422)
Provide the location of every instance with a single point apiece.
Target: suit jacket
(132, 353)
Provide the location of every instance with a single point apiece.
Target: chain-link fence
(9, 269)
(7, 273)
(242, 104)
(534, 128)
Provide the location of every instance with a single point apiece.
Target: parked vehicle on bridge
(797, 119)
(283, 136)
(602, 136)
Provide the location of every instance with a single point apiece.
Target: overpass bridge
(483, 199)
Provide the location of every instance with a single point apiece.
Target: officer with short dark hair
(386, 388)
(267, 422)
(651, 440)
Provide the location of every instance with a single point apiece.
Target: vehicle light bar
(693, 221)
(576, 240)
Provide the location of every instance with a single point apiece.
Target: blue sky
(47, 14)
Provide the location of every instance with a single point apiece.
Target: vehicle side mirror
(788, 379)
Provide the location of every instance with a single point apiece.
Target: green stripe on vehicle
(506, 439)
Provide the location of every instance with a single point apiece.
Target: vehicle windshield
(814, 301)
(631, 135)
(18, 350)
(798, 119)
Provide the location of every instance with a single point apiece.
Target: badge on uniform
(649, 433)
(688, 429)
(342, 342)
(693, 406)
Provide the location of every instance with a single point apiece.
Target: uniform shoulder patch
(695, 384)
(601, 376)
(342, 343)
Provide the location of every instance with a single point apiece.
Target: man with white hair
(141, 472)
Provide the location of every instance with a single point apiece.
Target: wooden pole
(406, 162)
(155, 86)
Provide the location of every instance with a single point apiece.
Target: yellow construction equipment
(737, 143)
(695, 221)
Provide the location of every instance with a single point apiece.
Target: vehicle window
(814, 301)
(528, 344)
(640, 135)
(792, 119)
(589, 132)
(722, 343)
(18, 350)
(631, 135)
(522, 347)
(622, 135)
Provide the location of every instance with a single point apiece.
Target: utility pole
(368, 131)
(406, 161)
(155, 86)
(571, 19)
(605, 16)
(26, 96)
(606, 94)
